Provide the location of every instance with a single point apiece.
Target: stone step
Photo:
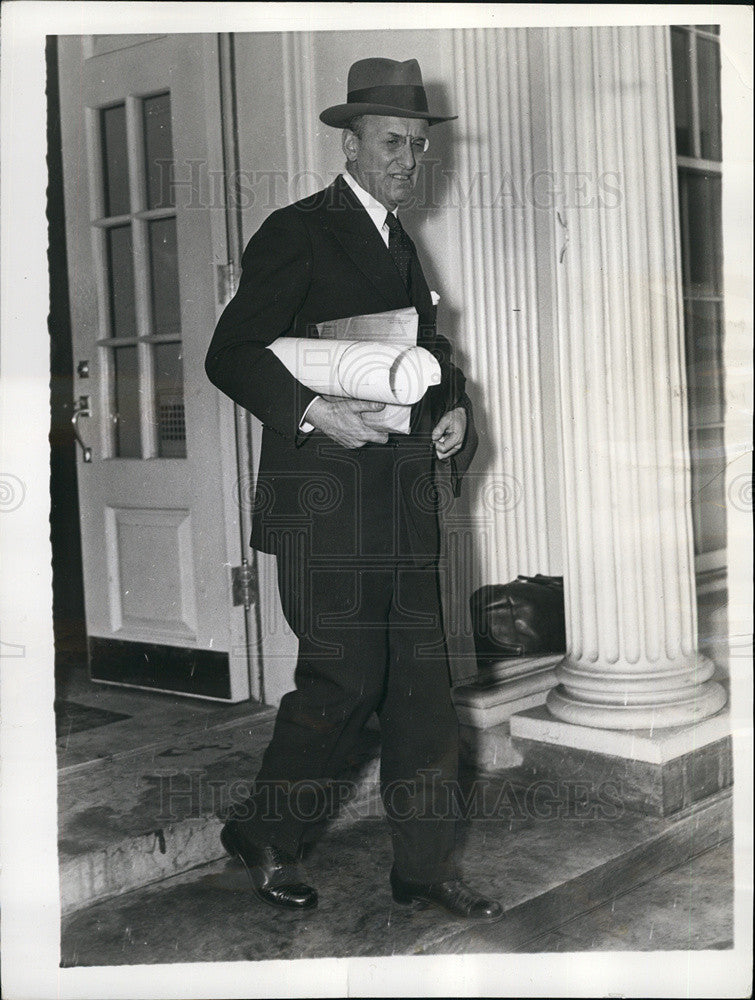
(146, 814)
(503, 688)
(545, 871)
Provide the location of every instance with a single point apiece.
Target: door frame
(69, 617)
(235, 443)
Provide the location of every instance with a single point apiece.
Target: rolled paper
(369, 370)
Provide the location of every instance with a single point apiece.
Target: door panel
(160, 523)
(135, 541)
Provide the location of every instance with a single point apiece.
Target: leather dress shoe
(274, 874)
(453, 896)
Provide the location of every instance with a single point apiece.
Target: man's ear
(350, 144)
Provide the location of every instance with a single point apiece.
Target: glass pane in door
(169, 400)
(125, 402)
(120, 278)
(158, 150)
(115, 160)
(163, 255)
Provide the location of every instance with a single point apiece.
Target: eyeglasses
(394, 142)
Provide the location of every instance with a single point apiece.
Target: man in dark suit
(350, 510)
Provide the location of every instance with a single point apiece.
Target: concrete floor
(544, 872)
(687, 908)
(153, 719)
(208, 915)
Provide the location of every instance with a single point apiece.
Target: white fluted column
(631, 619)
(511, 524)
(501, 322)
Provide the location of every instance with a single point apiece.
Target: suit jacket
(320, 259)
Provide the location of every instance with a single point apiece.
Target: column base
(656, 699)
(649, 771)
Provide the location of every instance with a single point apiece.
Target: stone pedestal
(504, 688)
(659, 772)
(485, 706)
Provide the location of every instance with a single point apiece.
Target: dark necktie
(400, 247)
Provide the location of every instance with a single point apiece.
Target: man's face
(386, 157)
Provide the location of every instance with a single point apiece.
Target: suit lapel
(347, 220)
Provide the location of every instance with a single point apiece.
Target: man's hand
(449, 432)
(341, 420)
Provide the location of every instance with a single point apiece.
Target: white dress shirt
(372, 206)
(377, 213)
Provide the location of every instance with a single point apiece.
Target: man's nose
(406, 157)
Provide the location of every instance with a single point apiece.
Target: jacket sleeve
(461, 461)
(452, 390)
(275, 277)
(452, 380)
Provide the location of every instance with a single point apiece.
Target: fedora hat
(383, 87)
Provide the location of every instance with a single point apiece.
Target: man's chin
(401, 193)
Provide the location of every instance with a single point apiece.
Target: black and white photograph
(376, 500)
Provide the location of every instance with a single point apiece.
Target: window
(695, 51)
(137, 252)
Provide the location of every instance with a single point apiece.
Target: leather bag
(521, 618)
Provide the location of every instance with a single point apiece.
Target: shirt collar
(372, 206)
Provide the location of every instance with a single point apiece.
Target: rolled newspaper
(369, 370)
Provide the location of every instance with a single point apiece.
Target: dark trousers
(370, 640)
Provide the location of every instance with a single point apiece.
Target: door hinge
(244, 580)
(226, 282)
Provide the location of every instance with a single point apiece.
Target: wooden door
(161, 523)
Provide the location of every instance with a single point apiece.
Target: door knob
(81, 409)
